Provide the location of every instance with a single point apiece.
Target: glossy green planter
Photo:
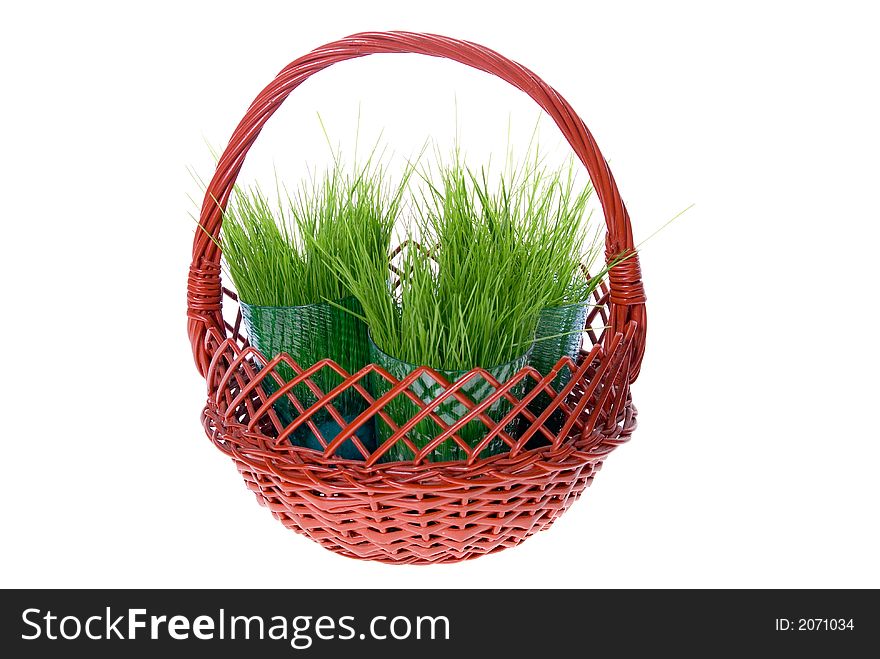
(565, 325)
(401, 409)
(309, 334)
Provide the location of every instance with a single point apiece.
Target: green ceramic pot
(309, 334)
(564, 325)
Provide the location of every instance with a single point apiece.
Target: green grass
(482, 261)
(277, 255)
(258, 250)
(484, 258)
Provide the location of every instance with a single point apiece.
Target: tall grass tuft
(482, 261)
(277, 255)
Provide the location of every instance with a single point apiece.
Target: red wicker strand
(418, 511)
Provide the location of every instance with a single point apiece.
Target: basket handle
(204, 291)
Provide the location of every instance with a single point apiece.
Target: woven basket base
(407, 514)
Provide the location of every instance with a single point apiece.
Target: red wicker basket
(417, 511)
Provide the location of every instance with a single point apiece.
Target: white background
(756, 459)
